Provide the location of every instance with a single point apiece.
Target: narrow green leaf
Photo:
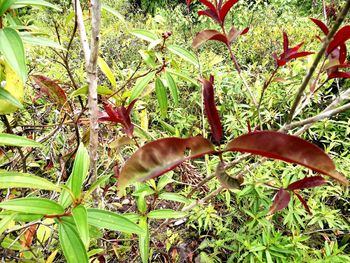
(144, 240)
(5, 95)
(109, 220)
(173, 197)
(12, 49)
(19, 3)
(71, 244)
(113, 12)
(162, 98)
(18, 141)
(101, 90)
(172, 87)
(140, 86)
(20, 180)
(33, 205)
(5, 5)
(40, 41)
(165, 180)
(184, 54)
(107, 71)
(144, 34)
(77, 177)
(5, 221)
(183, 76)
(80, 218)
(166, 214)
(97, 183)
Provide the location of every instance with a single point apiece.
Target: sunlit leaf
(144, 240)
(144, 34)
(206, 35)
(166, 214)
(32, 205)
(140, 86)
(20, 180)
(71, 244)
(51, 89)
(80, 218)
(107, 71)
(5, 221)
(18, 141)
(184, 54)
(112, 221)
(6, 96)
(42, 3)
(12, 49)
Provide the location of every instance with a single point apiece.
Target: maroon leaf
(307, 182)
(188, 2)
(289, 53)
(119, 115)
(51, 89)
(339, 38)
(161, 156)
(321, 25)
(343, 75)
(210, 109)
(206, 35)
(234, 33)
(226, 8)
(280, 201)
(209, 5)
(288, 148)
(210, 14)
(301, 199)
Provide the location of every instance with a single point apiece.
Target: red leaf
(307, 208)
(280, 201)
(288, 148)
(161, 156)
(234, 33)
(209, 5)
(321, 25)
(307, 182)
(119, 115)
(188, 2)
(210, 14)
(210, 109)
(206, 35)
(300, 54)
(226, 8)
(340, 75)
(339, 39)
(51, 89)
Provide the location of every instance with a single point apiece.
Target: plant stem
(318, 58)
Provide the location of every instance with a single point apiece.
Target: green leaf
(144, 240)
(166, 214)
(71, 244)
(12, 49)
(113, 12)
(36, 3)
(5, 5)
(96, 184)
(101, 90)
(20, 180)
(5, 95)
(40, 41)
(174, 197)
(149, 58)
(144, 34)
(77, 177)
(132, 217)
(5, 221)
(162, 98)
(109, 220)
(140, 86)
(183, 76)
(18, 141)
(80, 218)
(184, 54)
(33, 205)
(164, 180)
(107, 71)
(172, 87)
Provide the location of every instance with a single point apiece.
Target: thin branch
(318, 58)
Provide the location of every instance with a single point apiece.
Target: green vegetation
(195, 157)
